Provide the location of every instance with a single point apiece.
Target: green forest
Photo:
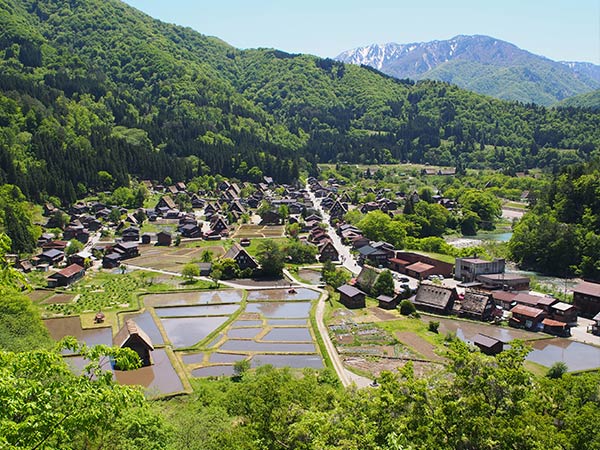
(91, 86)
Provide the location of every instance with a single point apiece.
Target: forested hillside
(92, 86)
(561, 235)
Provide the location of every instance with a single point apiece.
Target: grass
(413, 325)
(313, 322)
(516, 205)
(446, 258)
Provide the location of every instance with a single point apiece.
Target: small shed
(556, 327)
(387, 302)
(487, 344)
(163, 238)
(146, 238)
(133, 337)
(205, 268)
(352, 297)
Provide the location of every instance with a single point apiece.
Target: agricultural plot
(171, 259)
(259, 231)
(274, 329)
(104, 292)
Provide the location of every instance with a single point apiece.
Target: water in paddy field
(288, 335)
(243, 333)
(576, 355)
(187, 331)
(294, 361)
(280, 310)
(200, 310)
(193, 298)
(283, 294)
(236, 345)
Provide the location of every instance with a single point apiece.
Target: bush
(407, 308)
(558, 369)
(433, 326)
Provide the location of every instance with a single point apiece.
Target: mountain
(482, 64)
(584, 69)
(590, 100)
(94, 93)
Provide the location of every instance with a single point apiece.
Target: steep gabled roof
(129, 329)
(434, 296)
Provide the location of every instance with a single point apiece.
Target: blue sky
(558, 29)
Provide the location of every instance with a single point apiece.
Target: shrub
(433, 326)
(407, 308)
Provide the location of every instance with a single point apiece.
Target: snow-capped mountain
(483, 64)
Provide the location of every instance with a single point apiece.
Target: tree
(206, 256)
(384, 285)
(215, 276)
(47, 405)
(21, 326)
(16, 219)
(484, 204)
(271, 258)
(557, 370)
(299, 252)
(241, 367)
(190, 271)
(74, 247)
(469, 223)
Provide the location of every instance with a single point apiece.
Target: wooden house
(66, 276)
(164, 238)
(387, 302)
(127, 249)
(52, 256)
(435, 299)
(165, 203)
(133, 337)
(241, 257)
(475, 305)
(527, 317)
(327, 251)
(352, 297)
(488, 345)
(586, 298)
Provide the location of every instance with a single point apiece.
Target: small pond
(213, 371)
(191, 311)
(282, 294)
(186, 331)
(146, 322)
(243, 333)
(193, 298)
(159, 378)
(279, 309)
(576, 355)
(467, 330)
(288, 335)
(253, 346)
(216, 340)
(294, 361)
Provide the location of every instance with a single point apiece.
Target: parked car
(404, 279)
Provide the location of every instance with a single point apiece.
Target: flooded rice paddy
(193, 298)
(237, 345)
(280, 309)
(191, 311)
(286, 322)
(146, 322)
(288, 335)
(213, 371)
(71, 326)
(159, 378)
(226, 357)
(243, 333)
(312, 276)
(576, 355)
(187, 331)
(294, 361)
(283, 294)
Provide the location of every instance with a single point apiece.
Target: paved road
(346, 257)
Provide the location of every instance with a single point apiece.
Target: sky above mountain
(557, 29)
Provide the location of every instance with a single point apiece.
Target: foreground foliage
(479, 402)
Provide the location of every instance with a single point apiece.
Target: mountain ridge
(503, 63)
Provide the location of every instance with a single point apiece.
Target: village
(227, 311)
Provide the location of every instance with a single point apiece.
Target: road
(346, 258)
